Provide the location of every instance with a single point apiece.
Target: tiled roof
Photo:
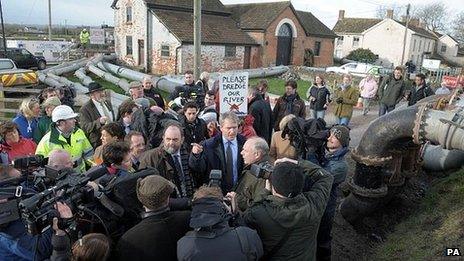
(354, 25)
(214, 6)
(419, 30)
(257, 16)
(215, 29)
(313, 26)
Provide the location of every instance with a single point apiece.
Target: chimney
(341, 14)
(414, 22)
(390, 13)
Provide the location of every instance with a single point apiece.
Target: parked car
(24, 59)
(11, 76)
(358, 69)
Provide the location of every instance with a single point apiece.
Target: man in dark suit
(221, 152)
(171, 160)
(155, 237)
(95, 113)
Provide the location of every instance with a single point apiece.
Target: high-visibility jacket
(80, 149)
(84, 37)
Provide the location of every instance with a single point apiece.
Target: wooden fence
(10, 105)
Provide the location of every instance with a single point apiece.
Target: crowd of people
(282, 212)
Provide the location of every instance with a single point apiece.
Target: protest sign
(233, 92)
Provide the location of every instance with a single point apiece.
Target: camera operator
(15, 242)
(155, 237)
(255, 151)
(212, 236)
(285, 216)
(93, 246)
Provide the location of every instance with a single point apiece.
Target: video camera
(30, 162)
(262, 170)
(215, 177)
(39, 210)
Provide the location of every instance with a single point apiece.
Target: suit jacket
(88, 120)
(213, 157)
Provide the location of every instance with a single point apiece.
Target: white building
(449, 49)
(384, 37)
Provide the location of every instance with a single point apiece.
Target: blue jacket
(26, 129)
(17, 245)
(335, 164)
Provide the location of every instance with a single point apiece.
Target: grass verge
(276, 86)
(436, 225)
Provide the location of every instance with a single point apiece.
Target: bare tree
(434, 16)
(458, 27)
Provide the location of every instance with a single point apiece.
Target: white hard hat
(63, 112)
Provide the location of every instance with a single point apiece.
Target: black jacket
(419, 94)
(286, 105)
(213, 157)
(322, 96)
(155, 237)
(155, 94)
(213, 238)
(261, 111)
(195, 132)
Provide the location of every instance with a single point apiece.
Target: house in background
(384, 37)
(449, 49)
(157, 35)
(284, 33)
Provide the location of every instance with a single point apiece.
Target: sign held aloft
(233, 92)
(97, 36)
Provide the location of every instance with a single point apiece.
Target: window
(317, 48)
(165, 51)
(355, 41)
(128, 14)
(443, 49)
(414, 46)
(420, 46)
(340, 40)
(230, 51)
(128, 45)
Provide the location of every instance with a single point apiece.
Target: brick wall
(301, 42)
(161, 63)
(212, 58)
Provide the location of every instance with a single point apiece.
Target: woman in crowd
(346, 98)
(281, 147)
(14, 146)
(203, 81)
(110, 132)
(368, 88)
(319, 97)
(27, 118)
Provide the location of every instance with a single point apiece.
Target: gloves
(339, 100)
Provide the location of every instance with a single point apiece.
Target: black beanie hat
(342, 133)
(287, 179)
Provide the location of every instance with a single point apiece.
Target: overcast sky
(96, 12)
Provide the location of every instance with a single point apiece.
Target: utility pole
(405, 33)
(49, 20)
(197, 38)
(3, 28)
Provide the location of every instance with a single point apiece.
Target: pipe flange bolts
(418, 122)
(370, 160)
(380, 192)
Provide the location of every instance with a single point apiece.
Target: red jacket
(24, 147)
(247, 127)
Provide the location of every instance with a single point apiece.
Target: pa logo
(453, 252)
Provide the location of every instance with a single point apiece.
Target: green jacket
(350, 97)
(272, 217)
(391, 91)
(79, 147)
(42, 128)
(249, 187)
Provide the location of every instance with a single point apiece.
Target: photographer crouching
(287, 215)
